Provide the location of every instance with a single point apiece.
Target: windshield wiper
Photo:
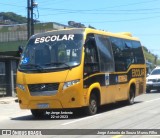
(58, 63)
(38, 67)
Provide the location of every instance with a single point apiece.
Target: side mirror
(147, 74)
(20, 50)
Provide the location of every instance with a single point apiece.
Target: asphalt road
(144, 114)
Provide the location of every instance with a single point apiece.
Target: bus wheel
(131, 97)
(93, 105)
(38, 113)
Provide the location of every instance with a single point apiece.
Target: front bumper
(71, 97)
(153, 86)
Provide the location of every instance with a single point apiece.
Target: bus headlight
(20, 86)
(70, 83)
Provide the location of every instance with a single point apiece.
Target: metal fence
(4, 85)
(17, 35)
(3, 78)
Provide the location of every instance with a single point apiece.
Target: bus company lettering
(54, 38)
(138, 72)
(122, 78)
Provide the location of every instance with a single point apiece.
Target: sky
(140, 17)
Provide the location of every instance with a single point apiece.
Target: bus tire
(93, 105)
(131, 97)
(37, 113)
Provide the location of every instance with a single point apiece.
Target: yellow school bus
(79, 67)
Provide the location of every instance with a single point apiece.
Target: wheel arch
(94, 89)
(133, 87)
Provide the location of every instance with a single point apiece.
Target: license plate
(43, 105)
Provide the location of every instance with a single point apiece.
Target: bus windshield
(52, 52)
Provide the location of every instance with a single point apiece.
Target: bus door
(107, 67)
(91, 65)
(121, 67)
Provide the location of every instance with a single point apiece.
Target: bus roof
(125, 35)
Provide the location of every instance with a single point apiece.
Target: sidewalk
(7, 100)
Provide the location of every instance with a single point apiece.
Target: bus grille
(154, 80)
(45, 89)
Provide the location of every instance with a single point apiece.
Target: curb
(7, 100)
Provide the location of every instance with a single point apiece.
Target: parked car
(153, 80)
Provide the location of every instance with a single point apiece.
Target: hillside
(150, 57)
(10, 17)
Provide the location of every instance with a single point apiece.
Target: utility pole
(30, 21)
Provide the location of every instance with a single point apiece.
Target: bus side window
(118, 52)
(138, 52)
(90, 55)
(128, 53)
(105, 53)
(91, 58)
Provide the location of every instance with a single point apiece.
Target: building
(11, 37)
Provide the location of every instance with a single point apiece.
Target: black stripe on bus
(114, 78)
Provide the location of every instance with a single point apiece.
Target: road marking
(152, 100)
(117, 136)
(88, 117)
(3, 117)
